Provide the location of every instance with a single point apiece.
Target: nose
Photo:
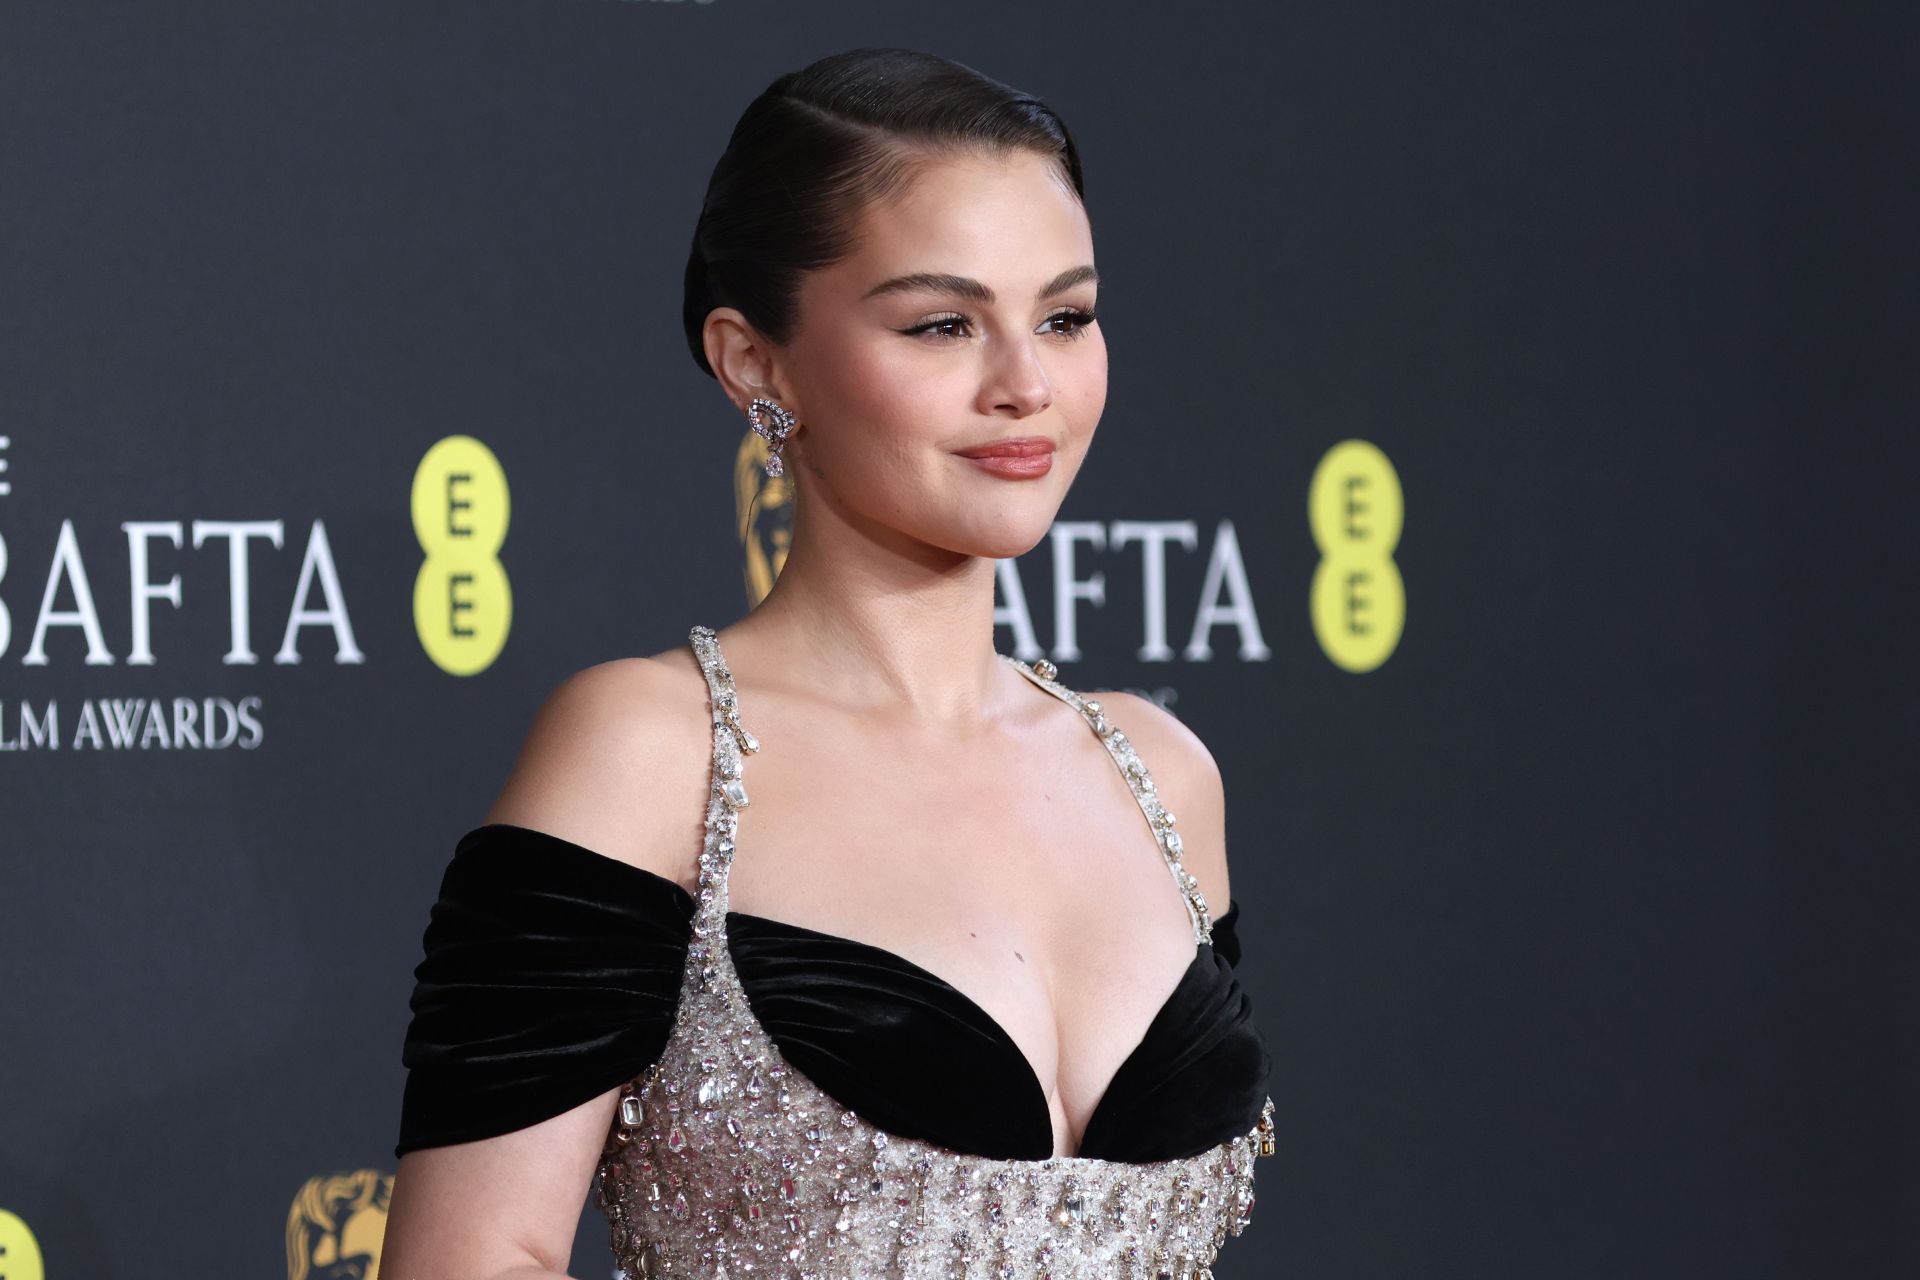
(1018, 380)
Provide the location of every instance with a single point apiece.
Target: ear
(743, 361)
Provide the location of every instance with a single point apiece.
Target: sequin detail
(724, 1162)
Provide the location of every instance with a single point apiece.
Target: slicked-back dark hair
(816, 147)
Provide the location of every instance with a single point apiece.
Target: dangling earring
(775, 435)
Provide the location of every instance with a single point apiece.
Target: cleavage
(1034, 1094)
(1118, 1008)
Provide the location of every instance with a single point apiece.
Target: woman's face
(889, 383)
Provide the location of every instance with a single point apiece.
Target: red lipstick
(1020, 457)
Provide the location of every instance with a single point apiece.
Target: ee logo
(19, 1252)
(462, 601)
(1358, 601)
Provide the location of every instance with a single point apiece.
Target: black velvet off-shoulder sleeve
(551, 974)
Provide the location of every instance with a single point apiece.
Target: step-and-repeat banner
(1460, 482)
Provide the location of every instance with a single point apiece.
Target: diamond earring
(775, 435)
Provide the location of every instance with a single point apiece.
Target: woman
(919, 992)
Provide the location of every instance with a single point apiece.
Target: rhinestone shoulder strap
(727, 793)
(1139, 781)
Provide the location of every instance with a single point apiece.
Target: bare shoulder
(1188, 781)
(616, 760)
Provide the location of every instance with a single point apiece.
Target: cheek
(879, 392)
(1083, 386)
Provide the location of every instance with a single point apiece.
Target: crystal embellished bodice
(724, 1161)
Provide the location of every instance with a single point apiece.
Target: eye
(939, 322)
(1078, 319)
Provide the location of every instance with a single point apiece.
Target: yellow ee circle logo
(1358, 602)
(462, 601)
(19, 1251)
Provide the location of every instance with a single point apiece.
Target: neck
(875, 619)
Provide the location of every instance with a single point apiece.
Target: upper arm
(616, 761)
(475, 1209)
(1187, 779)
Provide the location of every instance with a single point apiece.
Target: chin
(1003, 544)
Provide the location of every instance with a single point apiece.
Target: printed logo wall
(1454, 486)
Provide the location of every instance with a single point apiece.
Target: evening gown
(800, 1105)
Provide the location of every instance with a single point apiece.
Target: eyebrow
(972, 290)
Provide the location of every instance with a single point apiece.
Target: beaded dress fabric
(725, 1161)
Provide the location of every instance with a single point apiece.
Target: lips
(1018, 447)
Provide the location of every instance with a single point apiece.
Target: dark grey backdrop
(1580, 926)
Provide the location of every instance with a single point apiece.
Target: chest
(1018, 868)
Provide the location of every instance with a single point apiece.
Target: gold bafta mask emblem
(764, 507)
(336, 1225)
